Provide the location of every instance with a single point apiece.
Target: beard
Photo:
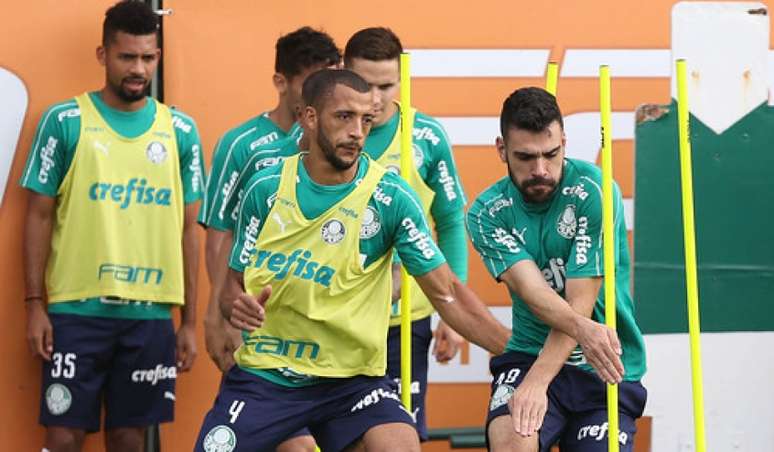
(329, 151)
(524, 186)
(130, 96)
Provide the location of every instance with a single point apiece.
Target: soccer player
(313, 252)
(224, 338)
(298, 54)
(253, 143)
(539, 230)
(114, 177)
(374, 54)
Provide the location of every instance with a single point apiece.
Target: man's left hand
(528, 407)
(447, 343)
(186, 347)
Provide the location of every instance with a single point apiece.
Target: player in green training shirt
(539, 230)
(312, 251)
(298, 54)
(111, 244)
(373, 53)
(249, 162)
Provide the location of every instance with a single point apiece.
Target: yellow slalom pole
(552, 76)
(406, 163)
(689, 236)
(608, 234)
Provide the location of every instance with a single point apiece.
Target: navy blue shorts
(421, 335)
(577, 405)
(251, 413)
(303, 432)
(127, 364)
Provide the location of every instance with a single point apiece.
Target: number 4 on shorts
(236, 408)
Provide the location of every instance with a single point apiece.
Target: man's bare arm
(530, 402)
(186, 334)
(600, 344)
(214, 242)
(37, 245)
(221, 340)
(581, 295)
(459, 306)
(191, 263)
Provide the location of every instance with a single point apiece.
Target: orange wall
(218, 62)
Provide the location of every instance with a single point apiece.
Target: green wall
(734, 210)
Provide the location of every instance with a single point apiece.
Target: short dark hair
(303, 49)
(129, 16)
(373, 44)
(320, 85)
(531, 108)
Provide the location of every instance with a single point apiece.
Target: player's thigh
(589, 432)
(588, 428)
(393, 437)
(356, 407)
(508, 372)
(141, 386)
(73, 381)
(501, 437)
(251, 414)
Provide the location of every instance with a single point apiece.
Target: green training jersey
(247, 161)
(434, 178)
(563, 236)
(251, 134)
(49, 166)
(434, 161)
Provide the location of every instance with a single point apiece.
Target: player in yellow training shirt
(309, 269)
(114, 178)
(298, 54)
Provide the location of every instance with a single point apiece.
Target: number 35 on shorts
(63, 365)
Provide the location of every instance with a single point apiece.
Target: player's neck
(283, 116)
(389, 111)
(112, 100)
(322, 172)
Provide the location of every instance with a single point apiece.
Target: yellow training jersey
(119, 215)
(327, 315)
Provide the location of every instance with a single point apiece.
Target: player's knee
(393, 437)
(63, 439)
(125, 439)
(502, 437)
(303, 443)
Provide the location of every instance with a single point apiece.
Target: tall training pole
(552, 77)
(689, 237)
(406, 164)
(608, 241)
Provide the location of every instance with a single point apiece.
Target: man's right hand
(247, 311)
(602, 349)
(221, 340)
(40, 334)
